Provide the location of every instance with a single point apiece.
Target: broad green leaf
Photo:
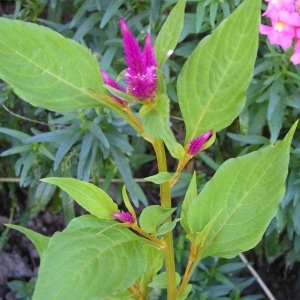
(190, 195)
(40, 241)
(90, 197)
(160, 281)
(92, 262)
(212, 83)
(156, 121)
(169, 34)
(160, 177)
(153, 216)
(245, 193)
(46, 69)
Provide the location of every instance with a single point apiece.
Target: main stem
(165, 195)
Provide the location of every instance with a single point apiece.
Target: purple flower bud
(124, 217)
(109, 81)
(196, 144)
(141, 72)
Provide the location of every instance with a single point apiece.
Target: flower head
(140, 74)
(123, 216)
(196, 144)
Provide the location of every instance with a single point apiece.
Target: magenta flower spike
(124, 217)
(109, 81)
(196, 144)
(140, 75)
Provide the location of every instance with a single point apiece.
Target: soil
(19, 260)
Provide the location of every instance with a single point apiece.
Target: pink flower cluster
(285, 25)
(140, 74)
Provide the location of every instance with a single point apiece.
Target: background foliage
(36, 143)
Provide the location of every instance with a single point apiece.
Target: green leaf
(90, 197)
(155, 259)
(160, 281)
(190, 195)
(169, 34)
(127, 202)
(212, 83)
(166, 227)
(14, 133)
(40, 241)
(157, 125)
(153, 216)
(244, 193)
(95, 261)
(183, 295)
(18, 149)
(122, 95)
(46, 69)
(160, 177)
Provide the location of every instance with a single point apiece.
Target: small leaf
(156, 120)
(166, 227)
(90, 197)
(183, 295)
(190, 195)
(40, 241)
(93, 260)
(160, 177)
(127, 202)
(122, 95)
(153, 216)
(169, 34)
(160, 281)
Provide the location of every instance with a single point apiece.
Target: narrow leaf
(153, 216)
(213, 82)
(160, 281)
(160, 177)
(14, 133)
(90, 197)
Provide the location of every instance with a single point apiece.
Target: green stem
(165, 194)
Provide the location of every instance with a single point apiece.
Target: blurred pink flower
(196, 144)
(285, 23)
(125, 217)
